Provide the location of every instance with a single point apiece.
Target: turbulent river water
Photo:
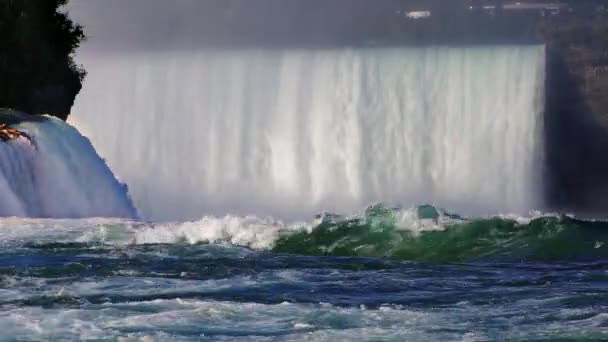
(385, 274)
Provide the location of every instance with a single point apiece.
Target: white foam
(407, 219)
(177, 318)
(249, 231)
(189, 319)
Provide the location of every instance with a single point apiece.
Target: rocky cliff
(577, 110)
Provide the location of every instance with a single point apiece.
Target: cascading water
(57, 174)
(292, 132)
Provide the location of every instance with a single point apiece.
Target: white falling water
(57, 174)
(292, 132)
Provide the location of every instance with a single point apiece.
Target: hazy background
(161, 24)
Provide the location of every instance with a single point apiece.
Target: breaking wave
(423, 233)
(381, 233)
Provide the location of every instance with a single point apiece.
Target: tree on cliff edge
(37, 72)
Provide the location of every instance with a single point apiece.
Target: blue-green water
(387, 274)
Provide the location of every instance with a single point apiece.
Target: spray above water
(294, 132)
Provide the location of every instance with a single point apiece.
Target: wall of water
(57, 174)
(292, 132)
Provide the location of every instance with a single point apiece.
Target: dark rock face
(54, 99)
(596, 89)
(576, 117)
(576, 141)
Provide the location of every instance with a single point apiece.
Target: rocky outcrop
(595, 87)
(9, 123)
(577, 112)
(7, 133)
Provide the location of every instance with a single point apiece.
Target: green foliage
(37, 72)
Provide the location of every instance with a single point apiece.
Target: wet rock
(7, 133)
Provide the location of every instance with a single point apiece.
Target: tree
(37, 71)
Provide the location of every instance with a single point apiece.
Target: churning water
(386, 274)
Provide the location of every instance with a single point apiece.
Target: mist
(159, 24)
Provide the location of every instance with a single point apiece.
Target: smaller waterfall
(57, 174)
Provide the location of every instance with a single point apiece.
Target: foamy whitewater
(293, 132)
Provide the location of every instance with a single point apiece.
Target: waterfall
(57, 174)
(293, 132)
